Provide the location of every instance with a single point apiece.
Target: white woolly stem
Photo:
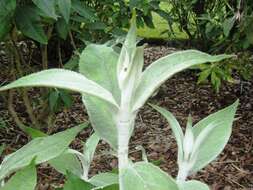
(183, 172)
(123, 126)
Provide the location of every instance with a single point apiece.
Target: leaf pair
(42, 148)
(203, 142)
(146, 176)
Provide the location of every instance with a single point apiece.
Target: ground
(182, 96)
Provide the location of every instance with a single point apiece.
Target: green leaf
(65, 79)
(84, 10)
(216, 81)
(217, 139)
(2, 147)
(149, 21)
(193, 185)
(29, 23)
(98, 63)
(47, 6)
(89, 151)
(67, 162)
(111, 187)
(228, 25)
(72, 64)
(62, 28)
(97, 26)
(24, 179)
(128, 50)
(102, 117)
(145, 176)
(43, 148)
(104, 179)
(66, 98)
(204, 75)
(75, 183)
(249, 30)
(176, 129)
(65, 9)
(7, 9)
(162, 69)
(34, 133)
(53, 99)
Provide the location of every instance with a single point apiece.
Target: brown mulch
(182, 96)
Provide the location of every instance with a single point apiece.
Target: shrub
(51, 23)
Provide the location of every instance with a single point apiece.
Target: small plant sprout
(114, 87)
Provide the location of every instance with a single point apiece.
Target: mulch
(232, 170)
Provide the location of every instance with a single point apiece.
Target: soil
(233, 169)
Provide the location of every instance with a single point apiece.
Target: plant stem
(183, 172)
(19, 60)
(125, 125)
(123, 142)
(13, 113)
(72, 41)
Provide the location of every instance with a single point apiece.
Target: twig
(25, 97)
(72, 41)
(13, 113)
(59, 55)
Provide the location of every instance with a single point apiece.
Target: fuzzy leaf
(102, 117)
(162, 69)
(98, 63)
(43, 148)
(218, 137)
(24, 179)
(60, 78)
(104, 179)
(188, 142)
(75, 183)
(177, 130)
(125, 61)
(145, 176)
(89, 151)
(34, 133)
(67, 162)
(193, 185)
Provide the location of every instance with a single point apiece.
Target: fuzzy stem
(123, 142)
(123, 133)
(124, 125)
(183, 172)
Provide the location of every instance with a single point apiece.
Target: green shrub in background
(50, 24)
(114, 87)
(217, 26)
(216, 73)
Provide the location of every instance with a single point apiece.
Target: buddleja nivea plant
(114, 87)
